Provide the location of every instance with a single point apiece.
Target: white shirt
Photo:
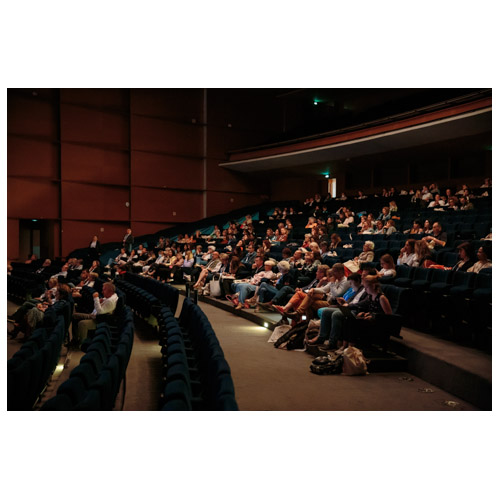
(106, 306)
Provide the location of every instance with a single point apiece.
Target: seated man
(82, 323)
(323, 296)
(438, 239)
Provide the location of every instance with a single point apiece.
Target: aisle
(266, 378)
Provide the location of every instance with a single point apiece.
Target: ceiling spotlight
(327, 175)
(316, 102)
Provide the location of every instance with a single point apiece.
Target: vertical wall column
(205, 152)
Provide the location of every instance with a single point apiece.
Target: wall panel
(30, 198)
(98, 97)
(33, 158)
(221, 179)
(155, 135)
(182, 104)
(29, 115)
(150, 169)
(79, 124)
(220, 202)
(88, 164)
(158, 205)
(94, 202)
(12, 239)
(77, 234)
(143, 228)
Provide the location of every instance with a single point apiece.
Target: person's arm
(103, 308)
(385, 305)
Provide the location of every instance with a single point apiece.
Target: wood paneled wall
(96, 161)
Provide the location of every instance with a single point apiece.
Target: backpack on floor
(354, 362)
(294, 338)
(327, 365)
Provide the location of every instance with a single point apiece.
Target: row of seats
(453, 304)
(143, 303)
(94, 384)
(22, 288)
(195, 373)
(31, 367)
(166, 294)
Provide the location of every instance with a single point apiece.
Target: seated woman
(212, 267)
(243, 289)
(415, 229)
(336, 241)
(266, 246)
(407, 254)
(466, 257)
(367, 255)
(312, 222)
(385, 214)
(423, 254)
(368, 319)
(387, 267)
(270, 289)
(283, 235)
(484, 260)
(393, 210)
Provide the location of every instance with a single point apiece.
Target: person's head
(63, 292)
(386, 261)
(46, 263)
(321, 271)
(251, 248)
(93, 276)
(465, 251)
(316, 255)
(108, 289)
(314, 246)
(379, 224)
(84, 274)
(437, 228)
(368, 246)
(215, 255)
(297, 255)
(52, 283)
(258, 261)
(95, 238)
(269, 265)
(123, 250)
(385, 210)
(409, 246)
(283, 267)
(269, 232)
(416, 224)
(65, 267)
(224, 257)
(335, 238)
(437, 197)
(266, 244)
(448, 193)
(372, 285)
(338, 270)
(129, 231)
(286, 253)
(421, 249)
(484, 253)
(427, 225)
(355, 280)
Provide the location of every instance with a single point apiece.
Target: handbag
(215, 289)
(354, 363)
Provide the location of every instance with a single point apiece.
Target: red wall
(77, 156)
